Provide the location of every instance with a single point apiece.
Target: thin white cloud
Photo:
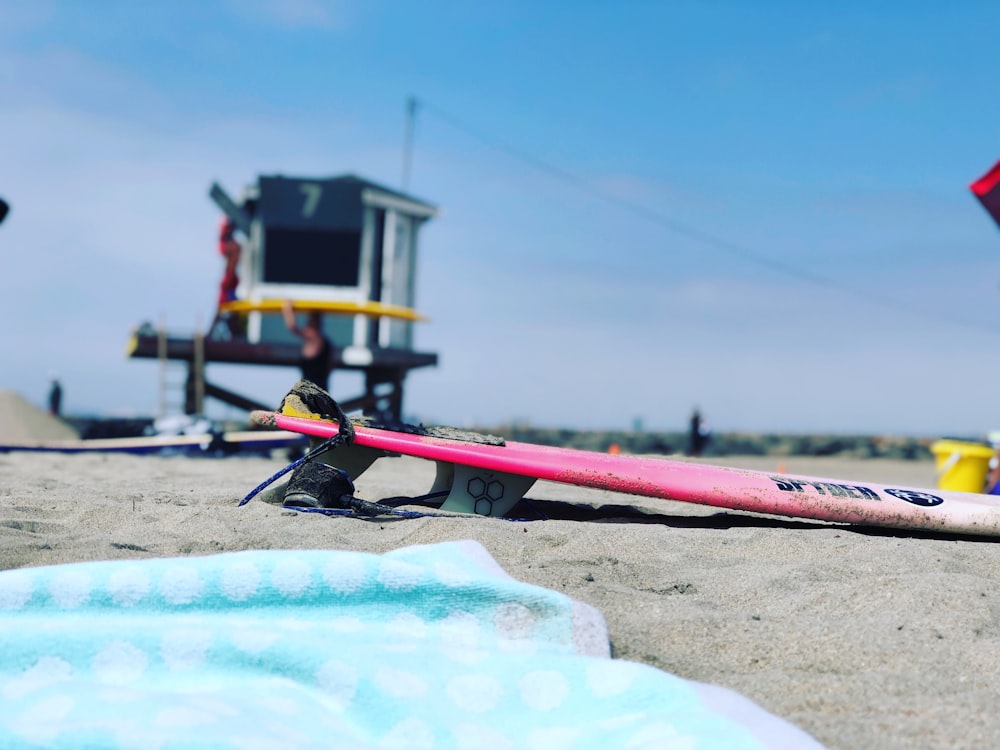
(902, 91)
(19, 17)
(292, 14)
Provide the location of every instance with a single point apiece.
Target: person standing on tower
(230, 249)
(316, 347)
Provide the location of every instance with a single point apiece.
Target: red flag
(987, 190)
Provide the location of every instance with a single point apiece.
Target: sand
(862, 638)
(20, 420)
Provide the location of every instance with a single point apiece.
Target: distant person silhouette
(55, 397)
(697, 434)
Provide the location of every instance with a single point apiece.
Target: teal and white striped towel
(424, 647)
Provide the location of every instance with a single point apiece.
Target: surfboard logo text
(855, 491)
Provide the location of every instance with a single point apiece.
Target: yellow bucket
(962, 466)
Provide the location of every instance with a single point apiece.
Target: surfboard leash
(328, 444)
(350, 505)
(306, 399)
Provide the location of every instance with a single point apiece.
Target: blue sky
(761, 209)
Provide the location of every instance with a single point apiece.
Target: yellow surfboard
(338, 307)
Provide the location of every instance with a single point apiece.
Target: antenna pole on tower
(411, 116)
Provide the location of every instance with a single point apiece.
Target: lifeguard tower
(345, 245)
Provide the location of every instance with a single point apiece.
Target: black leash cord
(326, 445)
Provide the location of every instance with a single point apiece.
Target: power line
(682, 229)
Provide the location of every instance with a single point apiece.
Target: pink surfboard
(489, 479)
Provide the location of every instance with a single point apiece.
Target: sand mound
(20, 420)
